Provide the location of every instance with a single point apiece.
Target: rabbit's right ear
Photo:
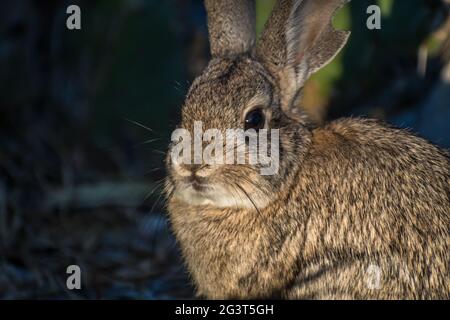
(298, 40)
(231, 26)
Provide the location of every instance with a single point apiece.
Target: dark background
(86, 115)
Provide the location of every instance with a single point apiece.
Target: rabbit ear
(231, 25)
(298, 40)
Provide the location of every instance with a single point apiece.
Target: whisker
(248, 196)
(179, 87)
(145, 127)
(156, 202)
(252, 182)
(157, 186)
(235, 192)
(146, 142)
(139, 125)
(152, 170)
(156, 150)
(169, 189)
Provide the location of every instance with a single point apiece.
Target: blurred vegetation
(87, 115)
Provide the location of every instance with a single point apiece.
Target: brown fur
(352, 194)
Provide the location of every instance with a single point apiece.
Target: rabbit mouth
(198, 184)
(199, 187)
(200, 193)
(196, 193)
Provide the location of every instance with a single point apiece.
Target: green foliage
(263, 10)
(386, 7)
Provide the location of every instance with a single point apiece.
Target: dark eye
(255, 119)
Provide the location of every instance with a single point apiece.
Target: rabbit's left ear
(298, 40)
(231, 26)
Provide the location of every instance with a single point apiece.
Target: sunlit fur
(349, 195)
(236, 186)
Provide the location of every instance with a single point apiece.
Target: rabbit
(358, 209)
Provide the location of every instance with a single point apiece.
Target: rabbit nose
(193, 168)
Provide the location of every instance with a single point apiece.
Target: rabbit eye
(255, 119)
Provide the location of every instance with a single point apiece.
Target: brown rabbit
(357, 209)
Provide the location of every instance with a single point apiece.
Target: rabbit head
(254, 85)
